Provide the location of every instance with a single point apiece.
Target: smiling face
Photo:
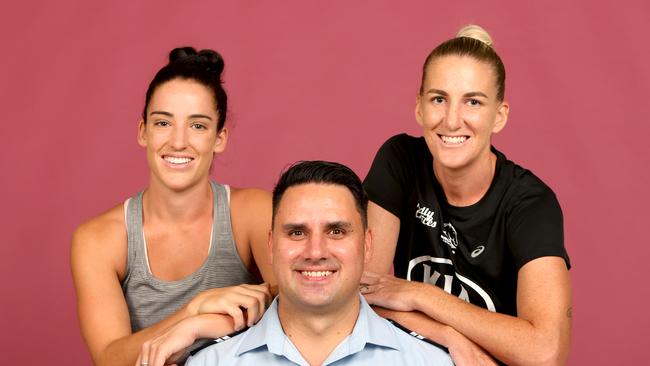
(318, 247)
(459, 111)
(180, 134)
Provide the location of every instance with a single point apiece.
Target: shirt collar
(369, 328)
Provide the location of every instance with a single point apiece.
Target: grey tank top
(150, 299)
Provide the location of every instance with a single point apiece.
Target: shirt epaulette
(417, 335)
(218, 340)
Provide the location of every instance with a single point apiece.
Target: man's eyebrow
(294, 226)
(339, 225)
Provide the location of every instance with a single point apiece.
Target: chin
(314, 299)
(451, 161)
(178, 183)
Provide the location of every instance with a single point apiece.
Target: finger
(262, 287)
(262, 292)
(161, 352)
(237, 316)
(251, 315)
(369, 279)
(253, 290)
(164, 351)
(154, 360)
(248, 306)
(370, 274)
(269, 292)
(242, 295)
(254, 304)
(144, 354)
(255, 313)
(137, 361)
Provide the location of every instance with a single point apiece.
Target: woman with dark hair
(476, 241)
(184, 248)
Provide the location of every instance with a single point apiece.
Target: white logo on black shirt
(449, 236)
(425, 215)
(432, 271)
(476, 252)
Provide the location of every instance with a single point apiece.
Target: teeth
(177, 160)
(453, 139)
(316, 273)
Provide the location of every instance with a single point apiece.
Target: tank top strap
(220, 211)
(136, 257)
(223, 248)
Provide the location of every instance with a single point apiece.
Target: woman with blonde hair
(475, 240)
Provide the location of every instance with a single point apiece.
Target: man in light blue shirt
(318, 245)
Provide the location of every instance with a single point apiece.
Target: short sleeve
(387, 179)
(535, 228)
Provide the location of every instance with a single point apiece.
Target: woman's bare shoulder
(102, 238)
(108, 224)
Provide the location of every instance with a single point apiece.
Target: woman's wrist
(451, 337)
(420, 296)
(191, 308)
(213, 325)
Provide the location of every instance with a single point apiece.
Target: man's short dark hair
(322, 172)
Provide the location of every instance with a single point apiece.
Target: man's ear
(222, 140)
(142, 137)
(501, 117)
(367, 250)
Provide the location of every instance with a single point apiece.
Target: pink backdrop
(327, 80)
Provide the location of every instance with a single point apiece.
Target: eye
(474, 102)
(437, 100)
(161, 123)
(337, 232)
(198, 126)
(296, 233)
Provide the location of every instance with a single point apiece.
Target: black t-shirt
(472, 252)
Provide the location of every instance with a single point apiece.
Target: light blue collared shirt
(373, 341)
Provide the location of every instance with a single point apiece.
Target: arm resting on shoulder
(540, 335)
(98, 258)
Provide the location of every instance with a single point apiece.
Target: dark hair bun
(180, 53)
(210, 59)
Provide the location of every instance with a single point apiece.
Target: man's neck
(315, 332)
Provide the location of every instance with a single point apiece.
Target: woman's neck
(467, 185)
(165, 204)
